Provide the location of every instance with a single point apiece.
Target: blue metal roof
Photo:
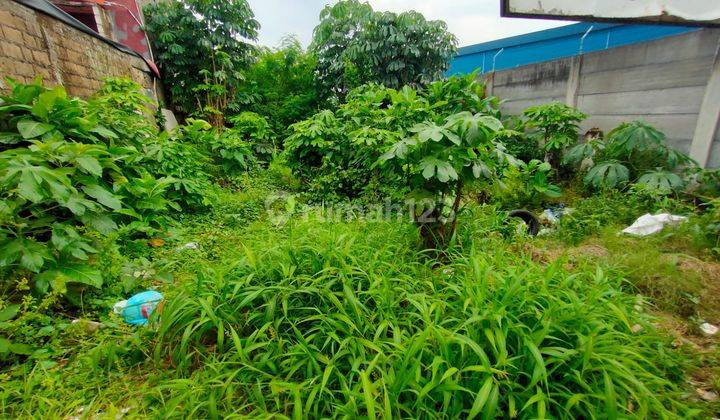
(564, 41)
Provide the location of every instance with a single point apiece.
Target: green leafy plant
(201, 48)
(438, 160)
(461, 93)
(553, 127)
(356, 45)
(347, 312)
(185, 163)
(234, 153)
(62, 175)
(525, 184)
(632, 153)
(254, 129)
(608, 174)
(280, 86)
(337, 151)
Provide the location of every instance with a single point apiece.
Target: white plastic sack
(647, 224)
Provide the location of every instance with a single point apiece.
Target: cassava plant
(633, 152)
(201, 47)
(553, 127)
(63, 175)
(336, 151)
(355, 45)
(255, 130)
(437, 161)
(525, 184)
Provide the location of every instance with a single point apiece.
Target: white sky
(472, 21)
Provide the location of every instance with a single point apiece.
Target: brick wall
(32, 44)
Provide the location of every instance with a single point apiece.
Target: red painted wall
(126, 18)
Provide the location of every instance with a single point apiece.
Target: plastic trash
(647, 224)
(119, 307)
(137, 309)
(708, 329)
(189, 245)
(554, 214)
(549, 216)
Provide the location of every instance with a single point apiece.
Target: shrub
(255, 130)
(280, 86)
(201, 47)
(185, 164)
(525, 185)
(63, 175)
(438, 160)
(337, 151)
(553, 127)
(633, 153)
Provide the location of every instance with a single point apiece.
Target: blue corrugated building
(564, 41)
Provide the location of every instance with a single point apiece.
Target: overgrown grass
(344, 319)
(317, 318)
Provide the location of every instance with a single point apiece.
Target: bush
(201, 47)
(553, 127)
(633, 153)
(525, 185)
(62, 176)
(337, 151)
(254, 129)
(280, 86)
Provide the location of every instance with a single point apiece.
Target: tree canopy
(355, 45)
(201, 46)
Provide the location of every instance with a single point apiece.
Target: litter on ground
(647, 224)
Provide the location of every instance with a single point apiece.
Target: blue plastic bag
(139, 307)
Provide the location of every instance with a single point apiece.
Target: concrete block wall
(662, 82)
(32, 44)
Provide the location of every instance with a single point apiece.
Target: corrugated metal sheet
(550, 44)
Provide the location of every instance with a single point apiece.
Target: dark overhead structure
(677, 12)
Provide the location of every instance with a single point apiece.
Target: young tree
(201, 46)
(356, 45)
(438, 160)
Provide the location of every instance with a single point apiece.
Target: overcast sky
(472, 21)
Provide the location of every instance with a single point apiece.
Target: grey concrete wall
(662, 82)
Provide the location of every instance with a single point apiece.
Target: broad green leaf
(661, 180)
(108, 134)
(77, 203)
(10, 251)
(62, 275)
(46, 102)
(21, 349)
(4, 345)
(33, 261)
(103, 196)
(608, 174)
(577, 153)
(446, 172)
(10, 138)
(100, 222)
(90, 164)
(29, 187)
(30, 253)
(30, 129)
(9, 313)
